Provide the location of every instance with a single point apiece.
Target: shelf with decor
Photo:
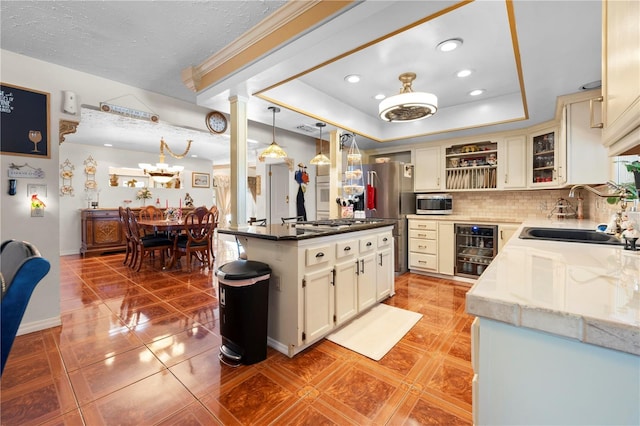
(472, 166)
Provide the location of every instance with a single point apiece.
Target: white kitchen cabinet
(346, 290)
(423, 245)
(366, 281)
(384, 274)
(529, 377)
(385, 266)
(428, 169)
(583, 144)
(446, 248)
(317, 285)
(512, 170)
(620, 81)
(505, 232)
(318, 294)
(546, 158)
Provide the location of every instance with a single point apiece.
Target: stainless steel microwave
(434, 204)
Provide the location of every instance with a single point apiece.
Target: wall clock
(216, 122)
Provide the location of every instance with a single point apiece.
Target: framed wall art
(24, 114)
(200, 180)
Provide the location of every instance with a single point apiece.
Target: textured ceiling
(147, 43)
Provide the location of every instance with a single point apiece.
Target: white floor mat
(377, 331)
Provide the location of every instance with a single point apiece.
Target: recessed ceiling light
(464, 73)
(107, 144)
(352, 78)
(194, 156)
(476, 92)
(592, 85)
(379, 96)
(449, 45)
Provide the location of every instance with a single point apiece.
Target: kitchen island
(322, 275)
(557, 338)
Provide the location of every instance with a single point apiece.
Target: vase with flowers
(143, 194)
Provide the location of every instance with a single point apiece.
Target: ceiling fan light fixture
(273, 150)
(408, 105)
(320, 159)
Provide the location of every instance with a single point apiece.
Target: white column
(239, 131)
(335, 173)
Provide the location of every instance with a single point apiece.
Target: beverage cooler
(476, 246)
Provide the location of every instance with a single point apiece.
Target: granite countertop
(463, 218)
(295, 231)
(587, 292)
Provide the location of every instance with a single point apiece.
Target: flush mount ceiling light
(476, 92)
(320, 159)
(449, 45)
(162, 172)
(408, 105)
(464, 73)
(273, 150)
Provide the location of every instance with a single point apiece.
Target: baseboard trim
(39, 325)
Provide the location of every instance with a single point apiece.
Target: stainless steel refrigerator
(389, 194)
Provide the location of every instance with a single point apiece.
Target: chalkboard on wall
(24, 121)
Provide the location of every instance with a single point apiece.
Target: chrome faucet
(619, 191)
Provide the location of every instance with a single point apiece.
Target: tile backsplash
(526, 205)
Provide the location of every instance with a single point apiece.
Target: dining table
(172, 227)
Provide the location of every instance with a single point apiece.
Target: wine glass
(35, 136)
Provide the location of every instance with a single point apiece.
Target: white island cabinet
(319, 280)
(556, 340)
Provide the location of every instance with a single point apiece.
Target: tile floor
(141, 348)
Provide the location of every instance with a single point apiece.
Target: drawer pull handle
(421, 261)
(321, 254)
(422, 235)
(369, 244)
(347, 248)
(385, 239)
(422, 247)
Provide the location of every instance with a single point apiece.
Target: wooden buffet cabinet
(102, 231)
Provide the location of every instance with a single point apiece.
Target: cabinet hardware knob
(369, 244)
(321, 254)
(347, 248)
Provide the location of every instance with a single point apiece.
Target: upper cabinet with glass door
(544, 161)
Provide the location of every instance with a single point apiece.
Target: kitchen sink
(569, 235)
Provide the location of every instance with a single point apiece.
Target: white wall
(15, 222)
(110, 197)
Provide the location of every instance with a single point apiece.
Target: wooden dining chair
(143, 245)
(124, 220)
(196, 240)
(151, 213)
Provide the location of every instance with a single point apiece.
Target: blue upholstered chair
(21, 269)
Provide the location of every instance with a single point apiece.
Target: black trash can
(243, 295)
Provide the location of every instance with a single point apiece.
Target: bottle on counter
(158, 202)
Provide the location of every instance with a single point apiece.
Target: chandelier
(320, 159)
(273, 150)
(408, 105)
(162, 172)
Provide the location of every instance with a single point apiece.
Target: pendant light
(320, 159)
(273, 150)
